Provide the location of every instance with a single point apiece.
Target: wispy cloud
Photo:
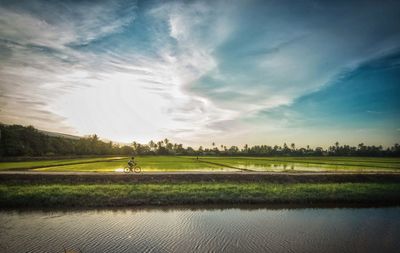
(40, 64)
(185, 70)
(57, 24)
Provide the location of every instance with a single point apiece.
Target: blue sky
(197, 72)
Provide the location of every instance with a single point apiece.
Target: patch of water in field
(278, 167)
(202, 230)
(301, 164)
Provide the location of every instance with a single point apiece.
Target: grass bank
(108, 195)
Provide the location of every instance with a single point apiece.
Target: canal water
(202, 230)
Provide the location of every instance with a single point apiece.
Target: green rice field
(186, 163)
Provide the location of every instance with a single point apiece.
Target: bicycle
(136, 169)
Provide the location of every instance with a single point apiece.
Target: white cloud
(281, 56)
(258, 62)
(57, 27)
(38, 67)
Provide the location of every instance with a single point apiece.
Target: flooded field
(306, 164)
(217, 164)
(202, 230)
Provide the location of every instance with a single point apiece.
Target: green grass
(185, 163)
(174, 163)
(147, 163)
(96, 195)
(58, 162)
(88, 167)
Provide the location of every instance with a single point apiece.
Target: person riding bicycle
(131, 163)
(132, 166)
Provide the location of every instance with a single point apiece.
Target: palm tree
(152, 145)
(285, 148)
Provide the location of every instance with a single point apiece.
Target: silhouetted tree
(16, 140)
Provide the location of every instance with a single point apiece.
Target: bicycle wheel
(127, 169)
(137, 169)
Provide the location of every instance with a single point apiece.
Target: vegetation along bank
(22, 191)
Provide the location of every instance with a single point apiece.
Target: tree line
(17, 140)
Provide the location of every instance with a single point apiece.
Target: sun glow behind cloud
(194, 72)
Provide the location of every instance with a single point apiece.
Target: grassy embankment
(101, 195)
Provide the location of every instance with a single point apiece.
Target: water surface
(202, 230)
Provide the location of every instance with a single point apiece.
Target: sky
(197, 72)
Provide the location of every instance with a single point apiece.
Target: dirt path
(9, 177)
